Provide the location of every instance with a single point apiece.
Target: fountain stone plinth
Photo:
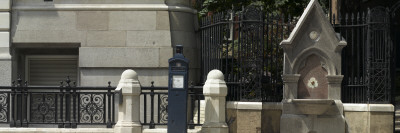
(313, 106)
(312, 76)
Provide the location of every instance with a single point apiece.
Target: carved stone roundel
(314, 35)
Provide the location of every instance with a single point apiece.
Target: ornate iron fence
(158, 107)
(244, 45)
(368, 57)
(66, 106)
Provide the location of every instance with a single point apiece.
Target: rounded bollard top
(129, 74)
(215, 74)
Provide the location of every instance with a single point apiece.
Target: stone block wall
(270, 117)
(5, 57)
(369, 118)
(243, 117)
(111, 35)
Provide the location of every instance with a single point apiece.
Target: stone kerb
(215, 91)
(129, 108)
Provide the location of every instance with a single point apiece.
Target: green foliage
(220, 5)
(293, 7)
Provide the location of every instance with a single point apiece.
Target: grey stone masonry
(5, 57)
(112, 35)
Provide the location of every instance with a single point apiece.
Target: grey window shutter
(50, 70)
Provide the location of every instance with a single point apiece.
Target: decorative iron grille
(158, 105)
(66, 106)
(367, 65)
(244, 45)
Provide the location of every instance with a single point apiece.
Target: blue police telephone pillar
(177, 92)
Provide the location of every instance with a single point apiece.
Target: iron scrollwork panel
(92, 108)
(42, 108)
(4, 107)
(163, 108)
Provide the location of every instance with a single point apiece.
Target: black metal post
(12, 103)
(152, 126)
(61, 125)
(19, 104)
(191, 111)
(25, 105)
(109, 125)
(67, 123)
(74, 122)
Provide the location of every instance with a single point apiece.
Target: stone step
(397, 129)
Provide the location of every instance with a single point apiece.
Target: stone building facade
(97, 40)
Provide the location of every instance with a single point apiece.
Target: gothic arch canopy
(328, 65)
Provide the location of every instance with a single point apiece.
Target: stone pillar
(129, 108)
(334, 86)
(290, 89)
(215, 91)
(5, 57)
(183, 26)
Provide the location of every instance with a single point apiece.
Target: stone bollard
(129, 108)
(215, 91)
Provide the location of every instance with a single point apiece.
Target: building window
(49, 70)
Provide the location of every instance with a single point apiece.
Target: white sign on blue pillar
(177, 92)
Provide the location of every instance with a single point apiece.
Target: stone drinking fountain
(312, 76)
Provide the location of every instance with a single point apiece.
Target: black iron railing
(155, 102)
(244, 45)
(367, 63)
(66, 106)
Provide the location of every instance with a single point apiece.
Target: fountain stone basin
(313, 106)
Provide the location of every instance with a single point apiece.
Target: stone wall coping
(278, 106)
(368, 107)
(381, 108)
(244, 105)
(58, 130)
(106, 7)
(272, 105)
